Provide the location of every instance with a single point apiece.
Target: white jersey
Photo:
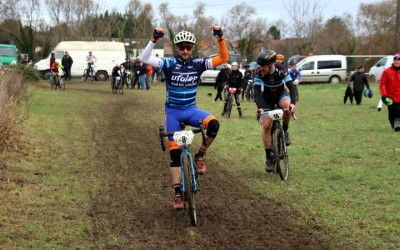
(91, 58)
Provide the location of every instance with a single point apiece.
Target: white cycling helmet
(296, 82)
(235, 64)
(58, 61)
(184, 36)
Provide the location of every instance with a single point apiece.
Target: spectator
(148, 74)
(389, 86)
(142, 75)
(280, 59)
(67, 62)
(222, 77)
(156, 73)
(248, 75)
(136, 68)
(294, 73)
(359, 79)
(52, 59)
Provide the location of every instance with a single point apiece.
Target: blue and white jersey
(182, 79)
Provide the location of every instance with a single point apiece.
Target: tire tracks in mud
(132, 206)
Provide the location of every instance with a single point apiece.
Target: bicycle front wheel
(62, 84)
(189, 184)
(121, 88)
(281, 156)
(230, 104)
(114, 87)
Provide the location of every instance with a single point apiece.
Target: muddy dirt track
(133, 207)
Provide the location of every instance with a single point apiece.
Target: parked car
(324, 68)
(376, 71)
(209, 76)
(295, 60)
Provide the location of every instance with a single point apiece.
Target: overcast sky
(270, 9)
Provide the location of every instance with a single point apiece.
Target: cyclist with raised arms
(182, 75)
(272, 77)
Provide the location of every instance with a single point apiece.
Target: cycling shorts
(189, 116)
(268, 100)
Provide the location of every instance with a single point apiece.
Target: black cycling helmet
(266, 57)
(127, 58)
(247, 66)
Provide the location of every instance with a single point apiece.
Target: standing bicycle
(182, 76)
(90, 72)
(271, 78)
(189, 182)
(233, 86)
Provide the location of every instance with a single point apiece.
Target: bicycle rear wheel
(189, 183)
(281, 156)
(52, 84)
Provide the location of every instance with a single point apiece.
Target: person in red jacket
(149, 69)
(390, 91)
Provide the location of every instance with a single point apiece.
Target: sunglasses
(396, 58)
(188, 47)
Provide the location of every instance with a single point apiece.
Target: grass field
(343, 180)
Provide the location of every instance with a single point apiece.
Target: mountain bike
(117, 86)
(91, 75)
(58, 81)
(231, 99)
(189, 181)
(280, 159)
(249, 91)
(128, 79)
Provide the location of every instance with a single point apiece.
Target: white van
(108, 54)
(377, 70)
(324, 68)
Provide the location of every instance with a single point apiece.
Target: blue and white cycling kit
(182, 79)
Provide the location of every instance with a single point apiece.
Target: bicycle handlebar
(196, 130)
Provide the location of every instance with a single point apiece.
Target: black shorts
(268, 100)
(394, 111)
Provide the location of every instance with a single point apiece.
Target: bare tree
(376, 25)
(305, 21)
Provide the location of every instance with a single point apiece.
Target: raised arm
(223, 51)
(146, 55)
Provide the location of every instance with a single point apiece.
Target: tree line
(306, 29)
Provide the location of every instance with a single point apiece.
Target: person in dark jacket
(359, 80)
(235, 80)
(222, 77)
(116, 71)
(67, 62)
(248, 75)
(136, 69)
(125, 67)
